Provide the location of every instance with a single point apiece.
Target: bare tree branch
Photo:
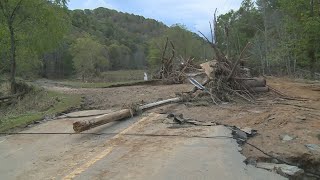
(212, 35)
(215, 26)
(238, 61)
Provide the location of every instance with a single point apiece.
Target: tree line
(284, 35)
(42, 38)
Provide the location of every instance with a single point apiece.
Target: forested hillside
(100, 40)
(284, 35)
(43, 38)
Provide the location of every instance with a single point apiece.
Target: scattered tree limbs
(173, 70)
(238, 61)
(226, 78)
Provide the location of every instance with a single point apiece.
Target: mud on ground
(272, 116)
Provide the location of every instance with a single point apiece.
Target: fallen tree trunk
(80, 126)
(257, 82)
(258, 89)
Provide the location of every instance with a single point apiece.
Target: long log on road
(80, 126)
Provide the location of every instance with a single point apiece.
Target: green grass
(78, 84)
(122, 76)
(35, 108)
(19, 121)
(108, 79)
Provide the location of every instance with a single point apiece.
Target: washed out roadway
(145, 147)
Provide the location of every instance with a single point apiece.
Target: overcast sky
(195, 14)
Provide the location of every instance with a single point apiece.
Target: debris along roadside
(227, 80)
(224, 81)
(244, 129)
(217, 85)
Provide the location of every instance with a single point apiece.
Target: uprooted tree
(225, 78)
(174, 69)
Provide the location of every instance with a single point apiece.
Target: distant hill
(110, 26)
(130, 40)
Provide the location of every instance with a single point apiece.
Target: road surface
(146, 147)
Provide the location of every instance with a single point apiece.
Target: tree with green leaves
(303, 19)
(32, 24)
(236, 28)
(89, 57)
(284, 34)
(120, 56)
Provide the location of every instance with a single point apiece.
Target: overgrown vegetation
(285, 35)
(35, 106)
(87, 43)
(27, 29)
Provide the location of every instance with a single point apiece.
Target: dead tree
(173, 70)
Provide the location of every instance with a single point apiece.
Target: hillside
(127, 42)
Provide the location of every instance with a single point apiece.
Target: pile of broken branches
(227, 80)
(174, 70)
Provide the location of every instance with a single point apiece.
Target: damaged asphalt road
(141, 148)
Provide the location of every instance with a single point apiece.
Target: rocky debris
(283, 169)
(301, 118)
(313, 147)
(251, 161)
(287, 138)
(249, 131)
(239, 134)
(177, 118)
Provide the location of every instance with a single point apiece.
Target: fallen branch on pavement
(80, 126)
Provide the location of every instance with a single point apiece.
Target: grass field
(122, 76)
(77, 84)
(108, 79)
